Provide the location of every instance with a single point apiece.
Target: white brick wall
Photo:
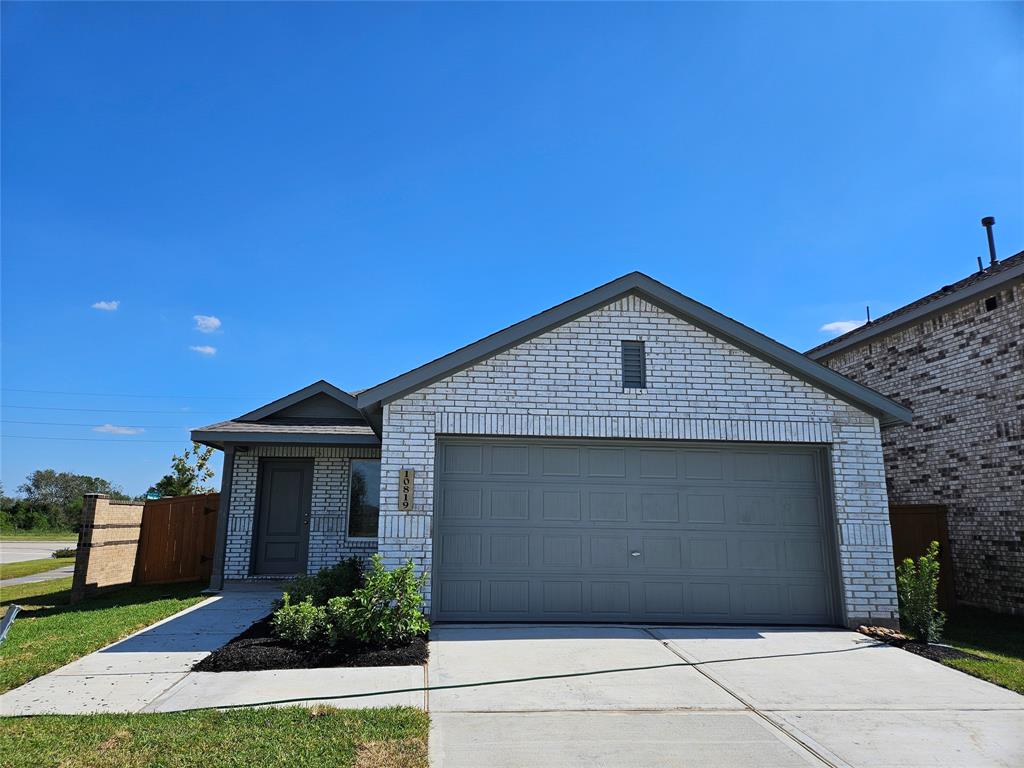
(566, 383)
(328, 523)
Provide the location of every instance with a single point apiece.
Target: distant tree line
(51, 501)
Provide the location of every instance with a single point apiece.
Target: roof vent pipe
(988, 223)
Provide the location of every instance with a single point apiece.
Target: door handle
(635, 553)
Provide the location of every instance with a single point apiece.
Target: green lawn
(293, 737)
(997, 637)
(49, 632)
(29, 567)
(38, 536)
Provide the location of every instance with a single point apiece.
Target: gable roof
(659, 294)
(316, 388)
(970, 287)
(270, 423)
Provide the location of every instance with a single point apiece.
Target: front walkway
(151, 670)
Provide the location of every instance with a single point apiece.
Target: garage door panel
(537, 530)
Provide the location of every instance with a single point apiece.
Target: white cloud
(206, 323)
(205, 350)
(113, 429)
(841, 326)
(107, 306)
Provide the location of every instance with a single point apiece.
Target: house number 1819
(406, 479)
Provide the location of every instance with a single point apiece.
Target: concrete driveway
(709, 697)
(17, 551)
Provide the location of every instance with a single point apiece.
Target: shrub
(336, 581)
(386, 610)
(302, 624)
(917, 586)
(65, 552)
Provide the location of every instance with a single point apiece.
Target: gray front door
(561, 530)
(281, 537)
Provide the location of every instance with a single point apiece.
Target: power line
(114, 394)
(78, 424)
(91, 439)
(104, 410)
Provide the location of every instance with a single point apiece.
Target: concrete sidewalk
(57, 573)
(151, 670)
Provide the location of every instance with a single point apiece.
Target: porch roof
(287, 431)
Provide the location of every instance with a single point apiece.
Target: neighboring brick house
(956, 357)
(629, 455)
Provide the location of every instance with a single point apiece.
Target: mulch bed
(933, 652)
(259, 649)
(938, 653)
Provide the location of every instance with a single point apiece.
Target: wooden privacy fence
(914, 527)
(176, 540)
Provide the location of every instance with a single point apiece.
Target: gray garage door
(541, 530)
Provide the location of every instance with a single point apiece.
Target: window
(634, 365)
(364, 498)
(991, 303)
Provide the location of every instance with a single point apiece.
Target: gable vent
(634, 365)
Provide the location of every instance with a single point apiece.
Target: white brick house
(630, 455)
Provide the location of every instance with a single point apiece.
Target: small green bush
(336, 581)
(917, 587)
(302, 624)
(65, 552)
(386, 610)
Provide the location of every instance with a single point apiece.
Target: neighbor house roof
(668, 299)
(971, 287)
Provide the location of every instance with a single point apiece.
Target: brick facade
(962, 372)
(566, 383)
(328, 525)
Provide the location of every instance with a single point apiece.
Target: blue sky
(351, 190)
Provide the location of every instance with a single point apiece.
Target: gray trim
(219, 439)
(316, 388)
(224, 506)
(888, 411)
(865, 333)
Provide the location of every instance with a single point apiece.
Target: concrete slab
(85, 694)
(127, 675)
(915, 739)
(363, 687)
(586, 668)
(794, 669)
(147, 655)
(613, 739)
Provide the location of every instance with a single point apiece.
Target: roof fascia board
(919, 313)
(319, 387)
(218, 439)
(888, 411)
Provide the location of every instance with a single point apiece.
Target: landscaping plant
(65, 552)
(386, 610)
(335, 581)
(917, 586)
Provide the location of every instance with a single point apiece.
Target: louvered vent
(634, 365)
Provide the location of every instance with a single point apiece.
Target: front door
(282, 517)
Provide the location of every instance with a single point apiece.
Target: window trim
(349, 536)
(640, 344)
